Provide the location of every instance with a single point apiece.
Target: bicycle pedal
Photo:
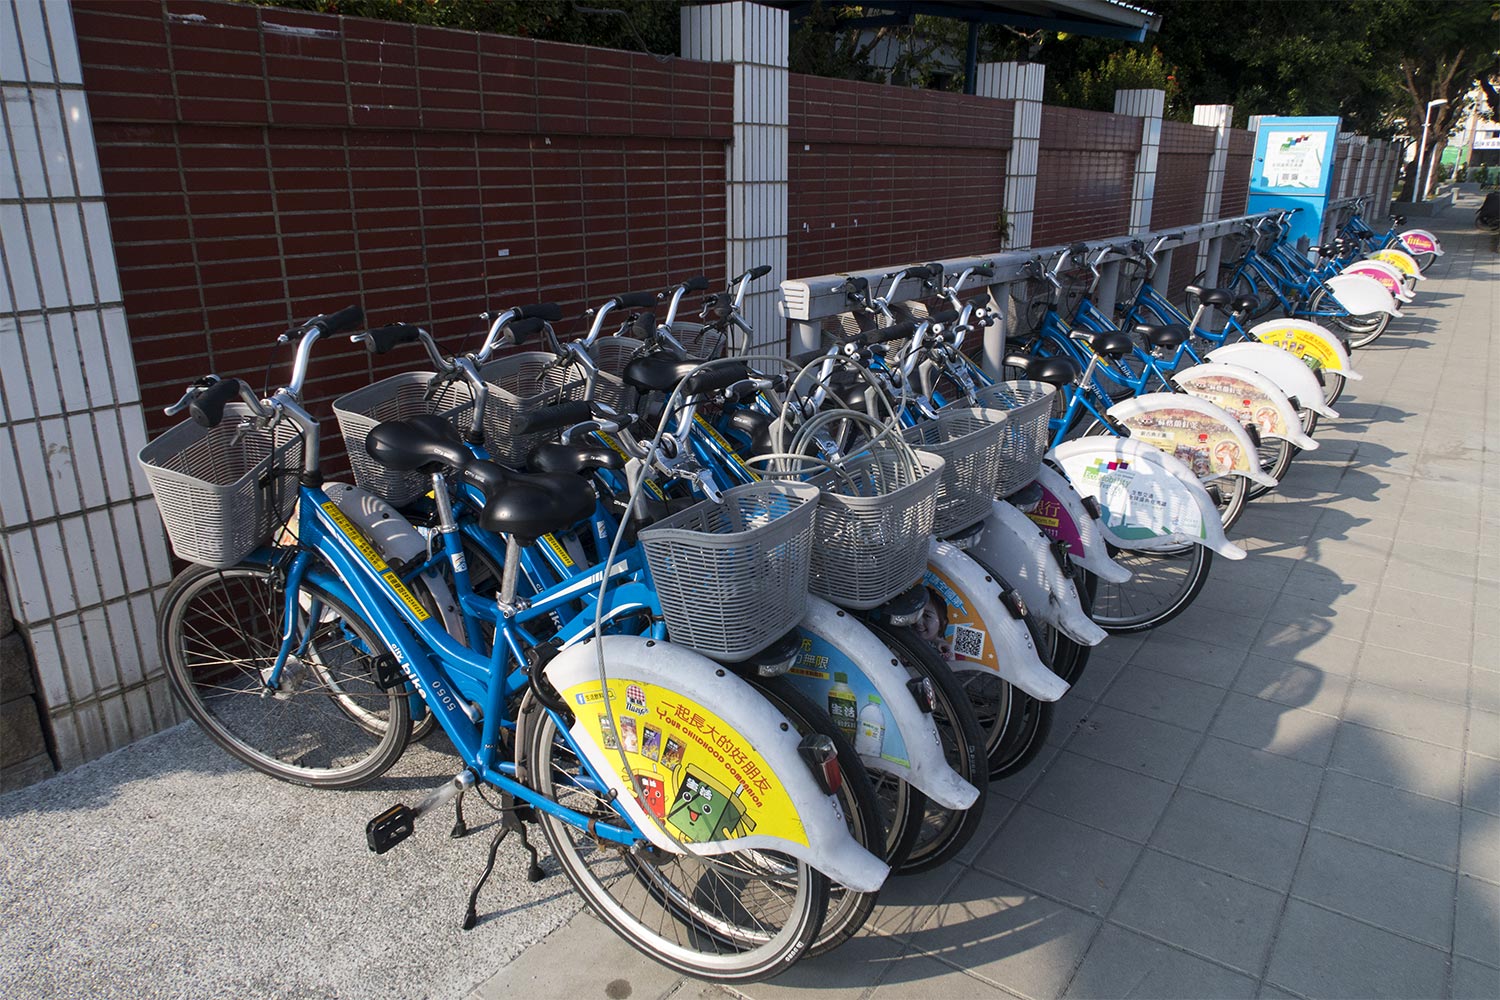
(390, 828)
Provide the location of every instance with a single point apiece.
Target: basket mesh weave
(872, 537)
(971, 441)
(519, 384)
(1029, 407)
(223, 490)
(701, 341)
(732, 576)
(611, 355)
(395, 398)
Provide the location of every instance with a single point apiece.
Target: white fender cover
(702, 763)
(1148, 500)
(1203, 436)
(1014, 549)
(1421, 241)
(1401, 261)
(1314, 344)
(1390, 279)
(1250, 396)
(1361, 294)
(1293, 377)
(975, 631)
(835, 642)
(1061, 515)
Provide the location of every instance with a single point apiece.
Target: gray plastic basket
(518, 384)
(611, 355)
(871, 538)
(395, 398)
(701, 341)
(1029, 407)
(732, 576)
(971, 441)
(223, 490)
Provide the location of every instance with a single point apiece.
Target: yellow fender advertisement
(1401, 261)
(1295, 379)
(700, 779)
(1251, 397)
(1204, 437)
(1316, 346)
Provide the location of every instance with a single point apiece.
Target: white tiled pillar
(1021, 82)
(755, 40)
(1221, 118)
(1148, 106)
(83, 546)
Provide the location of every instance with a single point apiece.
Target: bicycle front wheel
(738, 917)
(327, 723)
(1161, 586)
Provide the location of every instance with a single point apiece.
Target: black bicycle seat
(573, 459)
(1167, 337)
(657, 372)
(530, 506)
(1245, 304)
(1058, 371)
(1211, 296)
(1111, 344)
(423, 444)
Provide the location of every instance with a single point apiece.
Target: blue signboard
(1294, 168)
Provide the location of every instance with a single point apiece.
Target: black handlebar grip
(552, 418)
(717, 377)
(935, 270)
(985, 270)
(946, 316)
(857, 285)
(636, 300)
(698, 283)
(759, 272)
(523, 328)
(884, 334)
(549, 312)
(383, 338)
(345, 319)
(1078, 248)
(207, 408)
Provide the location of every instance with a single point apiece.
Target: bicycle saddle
(662, 373)
(1211, 296)
(530, 506)
(1245, 304)
(573, 459)
(1112, 344)
(756, 426)
(1167, 337)
(1058, 371)
(424, 444)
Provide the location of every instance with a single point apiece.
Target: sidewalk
(1292, 789)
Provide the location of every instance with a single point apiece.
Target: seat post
(507, 600)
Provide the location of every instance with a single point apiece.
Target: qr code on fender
(968, 642)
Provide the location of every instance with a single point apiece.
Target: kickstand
(509, 821)
(472, 917)
(460, 828)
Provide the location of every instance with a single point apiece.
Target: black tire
(944, 832)
(1275, 455)
(1161, 587)
(682, 931)
(1068, 656)
(219, 632)
(1362, 330)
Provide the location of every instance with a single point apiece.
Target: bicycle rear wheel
(738, 917)
(1275, 456)
(328, 724)
(1162, 585)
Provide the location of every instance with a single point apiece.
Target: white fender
(1195, 431)
(1361, 295)
(1014, 548)
(1315, 344)
(1390, 279)
(978, 632)
(836, 642)
(1062, 516)
(1421, 241)
(1401, 261)
(701, 733)
(1250, 396)
(1148, 499)
(1293, 377)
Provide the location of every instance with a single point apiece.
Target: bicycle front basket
(732, 576)
(1028, 407)
(611, 355)
(223, 490)
(971, 442)
(395, 398)
(518, 384)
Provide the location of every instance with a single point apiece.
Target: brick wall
(262, 165)
(1237, 173)
(1084, 173)
(881, 174)
(1181, 174)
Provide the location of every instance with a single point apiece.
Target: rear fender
(1401, 261)
(706, 780)
(1315, 345)
(1250, 396)
(973, 628)
(1295, 379)
(837, 642)
(1361, 295)
(1015, 548)
(1421, 241)
(1194, 430)
(1390, 279)
(1062, 516)
(1148, 500)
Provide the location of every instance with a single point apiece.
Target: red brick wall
(1182, 165)
(263, 165)
(1084, 172)
(1237, 168)
(885, 175)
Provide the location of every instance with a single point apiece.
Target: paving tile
(1323, 954)
(1320, 583)
(1472, 981)
(1220, 594)
(1408, 897)
(1135, 742)
(917, 977)
(906, 901)
(1410, 824)
(1004, 934)
(1109, 798)
(1265, 571)
(546, 967)
(1342, 613)
(1425, 768)
(1268, 781)
(1186, 653)
(1405, 714)
(1122, 963)
(1484, 690)
(1165, 698)
(1297, 685)
(1066, 715)
(1439, 582)
(1315, 646)
(1482, 784)
(1401, 670)
(1277, 728)
(1395, 602)
(1207, 913)
(845, 974)
(1231, 838)
(1059, 858)
(1479, 845)
(1476, 931)
(997, 808)
(1438, 534)
(1419, 637)
(1098, 674)
(1019, 784)
(1484, 733)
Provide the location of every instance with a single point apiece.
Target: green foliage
(1127, 69)
(821, 46)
